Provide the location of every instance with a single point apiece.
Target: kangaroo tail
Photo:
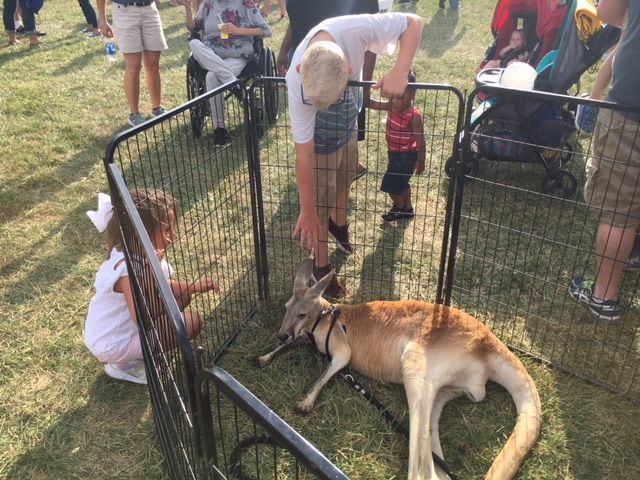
(509, 372)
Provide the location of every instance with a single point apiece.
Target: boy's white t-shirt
(109, 326)
(355, 34)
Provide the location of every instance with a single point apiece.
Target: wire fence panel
(525, 230)
(248, 441)
(391, 260)
(499, 229)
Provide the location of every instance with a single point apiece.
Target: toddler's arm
(378, 105)
(417, 127)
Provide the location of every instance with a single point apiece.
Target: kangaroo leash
(394, 420)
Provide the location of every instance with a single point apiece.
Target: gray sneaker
(158, 111)
(607, 312)
(136, 119)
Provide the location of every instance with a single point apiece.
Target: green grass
(61, 417)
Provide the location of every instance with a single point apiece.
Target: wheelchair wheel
(269, 91)
(195, 87)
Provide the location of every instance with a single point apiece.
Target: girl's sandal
(13, 43)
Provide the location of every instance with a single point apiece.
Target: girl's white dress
(110, 333)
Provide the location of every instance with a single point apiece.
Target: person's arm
(283, 54)
(184, 291)
(124, 286)
(374, 104)
(613, 12)
(417, 128)
(191, 23)
(235, 31)
(105, 28)
(395, 82)
(307, 226)
(504, 51)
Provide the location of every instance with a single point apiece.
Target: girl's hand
(205, 284)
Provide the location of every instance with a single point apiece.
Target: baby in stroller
(515, 51)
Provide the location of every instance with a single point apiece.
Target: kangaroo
(437, 352)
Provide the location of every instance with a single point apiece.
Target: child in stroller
(515, 51)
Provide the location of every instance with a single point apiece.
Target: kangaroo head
(304, 307)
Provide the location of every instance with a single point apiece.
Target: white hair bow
(105, 212)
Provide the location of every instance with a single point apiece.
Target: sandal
(13, 43)
(398, 214)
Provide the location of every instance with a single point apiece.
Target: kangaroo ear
(305, 270)
(319, 288)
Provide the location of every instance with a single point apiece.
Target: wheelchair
(267, 102)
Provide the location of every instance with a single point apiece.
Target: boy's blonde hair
(325, 72)
(155, 208)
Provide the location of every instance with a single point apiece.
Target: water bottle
(112, 52)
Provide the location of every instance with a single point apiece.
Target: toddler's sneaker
(134, 374)
(221, 137)
(607, 312)
(158, 111)
(586, 116)
(396, 213)
(340, 235)
(136, 119)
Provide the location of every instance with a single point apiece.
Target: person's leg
(89, 14)
(406, 199)
(29, 21)
(132, 66)
(283, 8)
(347, 172)
(219, 72)
(266, 5)
(8, 10)
(151, 61)
(613, 247)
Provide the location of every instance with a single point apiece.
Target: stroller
(516, 127)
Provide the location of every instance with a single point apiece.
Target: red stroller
(540, 19)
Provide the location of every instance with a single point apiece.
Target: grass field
(62, 418)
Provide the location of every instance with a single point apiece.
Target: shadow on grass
(99, 439)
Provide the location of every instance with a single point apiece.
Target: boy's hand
(393, 85)
(307, 229)
(105, 29)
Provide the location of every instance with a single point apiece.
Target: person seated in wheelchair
(229, 28)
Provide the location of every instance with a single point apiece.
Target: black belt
(143, 3)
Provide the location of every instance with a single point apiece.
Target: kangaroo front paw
(304, 407)
(262, 361)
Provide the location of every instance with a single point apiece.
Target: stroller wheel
(567, 153)
(559, 183)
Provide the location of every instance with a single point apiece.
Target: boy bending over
(323, 115)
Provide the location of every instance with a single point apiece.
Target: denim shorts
(399, 171)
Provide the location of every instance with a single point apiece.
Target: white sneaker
(135, 374)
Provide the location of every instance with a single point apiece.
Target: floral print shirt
(242, 13)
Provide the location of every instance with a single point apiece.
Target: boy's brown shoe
(340, 235)
(335, 288)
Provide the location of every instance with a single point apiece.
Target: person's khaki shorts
(612, 188)
(334, 174)
(138, 29)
